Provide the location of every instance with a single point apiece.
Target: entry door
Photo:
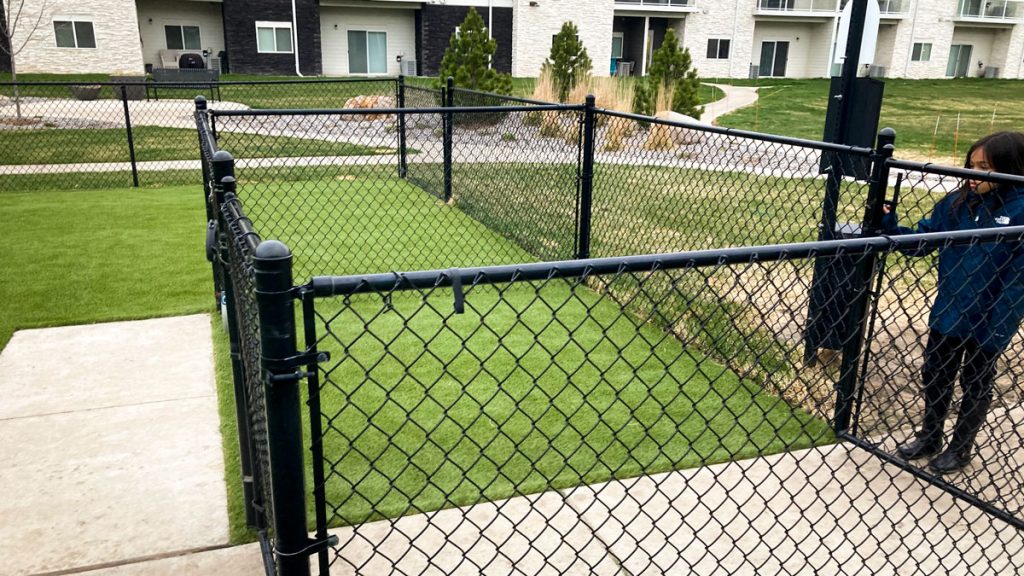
(774, 56)
(959, 63)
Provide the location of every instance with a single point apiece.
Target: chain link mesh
(641, 415)
(60, 135)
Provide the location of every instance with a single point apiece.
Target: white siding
(980, 41)
(335, 23)
(731, 20)
(533, 27)
(117, 39)
(205, 15)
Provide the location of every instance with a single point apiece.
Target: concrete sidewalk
(111, 446)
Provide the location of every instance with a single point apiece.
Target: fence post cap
(272, 250)
(223, 156)
(200, 102)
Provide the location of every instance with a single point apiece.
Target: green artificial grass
(100, 255)
(152, 143)
(934, 119)
(535, 386)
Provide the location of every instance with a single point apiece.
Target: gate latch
(294, 365)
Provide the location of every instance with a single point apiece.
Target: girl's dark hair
(1005, 154)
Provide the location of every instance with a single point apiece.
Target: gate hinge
(290, 367)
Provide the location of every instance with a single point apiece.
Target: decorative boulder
(368, 102)
(681, 136)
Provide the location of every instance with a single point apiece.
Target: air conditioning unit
(991, 72)
(215, 64)
(408, 67)
(876, 71)
(755, 71)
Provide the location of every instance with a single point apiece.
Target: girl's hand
(887, 207)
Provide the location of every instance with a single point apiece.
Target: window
(274, 37)
(367, 52)
(617, 45)
(71, 33)
(718, 49)
(922, 52)
(183, 37)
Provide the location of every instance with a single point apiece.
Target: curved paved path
(736, 97)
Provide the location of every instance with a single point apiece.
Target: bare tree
(14, 18)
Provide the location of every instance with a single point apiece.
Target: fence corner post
(586, 179)
(448, 130)
(854, 364)
(272, 264)
(131, 139)
(403, 164)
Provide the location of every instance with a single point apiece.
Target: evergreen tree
(672, 68)
(568, 61)
(468, 54)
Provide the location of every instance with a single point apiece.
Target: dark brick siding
(5, 58)
(434, 28)
(240, 18)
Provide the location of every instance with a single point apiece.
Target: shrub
(468, 54)
(671, 69)
(568, 61)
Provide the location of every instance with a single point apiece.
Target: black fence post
(586, 179)
(131, 139)
(861, 283)
(274, 297)
(227, 186)
(449, 102)
(403, 165)
(207, 182)
(223, 166)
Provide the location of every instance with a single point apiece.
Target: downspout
(733, 42)
(295, 40)
(490, 25)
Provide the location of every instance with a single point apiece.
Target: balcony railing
(801, 6)
(655, 3)
(894, 6)
(990, 10)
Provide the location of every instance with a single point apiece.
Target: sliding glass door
(367, 52)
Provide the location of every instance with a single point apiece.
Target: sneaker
(949, 462)
(919, 448)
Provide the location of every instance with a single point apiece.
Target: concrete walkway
(111, 445)
(736, 97)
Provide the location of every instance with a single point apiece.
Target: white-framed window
(72, 32)
(718, 48)
(617, 38)
(182, 37)
(922, 52)
(367, 52)
(274, 37)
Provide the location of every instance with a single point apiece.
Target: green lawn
(101, 255)
(534, 387)
(151, 143)
(911, 107)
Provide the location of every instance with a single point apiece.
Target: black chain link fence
(62, 135)
(734, 409)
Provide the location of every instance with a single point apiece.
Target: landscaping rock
(683, 136)
(369, 102)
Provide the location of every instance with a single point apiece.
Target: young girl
(979, 305)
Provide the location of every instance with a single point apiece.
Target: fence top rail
(962, 173)
(504, 97)
(206, 142)
(176, 83)
(235, 214)
(391, 111)
(324, 286)
(824, 146)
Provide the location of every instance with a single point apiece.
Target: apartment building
(726, 38)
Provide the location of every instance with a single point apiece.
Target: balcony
(798, 8)
(991, 11)
(650, 6)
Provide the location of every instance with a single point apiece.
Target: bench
(183, 78)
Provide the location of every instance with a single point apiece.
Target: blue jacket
(980, 287)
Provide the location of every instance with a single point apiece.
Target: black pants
(944, 359)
